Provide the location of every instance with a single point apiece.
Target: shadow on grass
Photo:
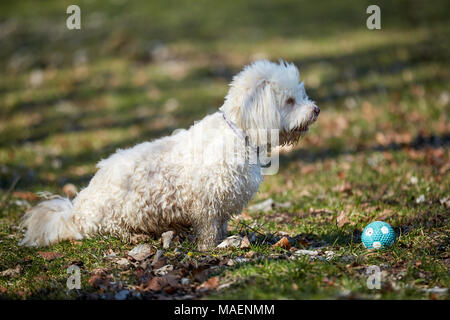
(312, 156)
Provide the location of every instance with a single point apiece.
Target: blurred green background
(138, 70)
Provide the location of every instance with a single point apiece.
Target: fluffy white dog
(196, 178)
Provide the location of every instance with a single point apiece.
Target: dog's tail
(49, 222)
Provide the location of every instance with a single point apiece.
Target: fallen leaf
(136, 238)
(302, 242)
(29, 196)
(282, 243)
(385, 214)
(342, 175)
(304, 193)
(250, 254)
(141, 252)
(245, 243)
(99, 278)
(166, 239)
(211, 283)
(445, 202)
(122, 262)
(14, 272)
(244, 216)
(75, 243)
(157, 284)
(343, 188)
(49, 256)
(200, 274)
(342, 219)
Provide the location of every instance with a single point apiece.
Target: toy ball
(378, 235)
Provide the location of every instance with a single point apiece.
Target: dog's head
(266, 96)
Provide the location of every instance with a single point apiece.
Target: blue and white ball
(378, 234)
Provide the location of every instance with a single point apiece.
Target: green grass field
(138, 70)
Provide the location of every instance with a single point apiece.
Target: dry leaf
(283, 243)
(245, 243)
(141, 252)
(163, 270)
(244, 216)
(29, 196)
(342, 219)
(166, 239)
(11, 272)
(70, 190)
(345, 187)
(99, 278)
(230, 242)
(211, 283)
(157, 284)
(49, 256)
(302, 242)
(385, 214)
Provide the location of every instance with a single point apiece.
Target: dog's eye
(290, 101)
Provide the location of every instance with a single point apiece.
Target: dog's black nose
(316, 110)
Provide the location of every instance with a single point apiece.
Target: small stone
(250, 254)
(121, 295)
(283, 243)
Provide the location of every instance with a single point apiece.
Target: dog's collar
(240, 133)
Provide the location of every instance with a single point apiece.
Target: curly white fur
(196, 178)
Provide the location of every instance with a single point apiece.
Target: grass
(137, 71)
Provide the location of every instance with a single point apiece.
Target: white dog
(163, 185)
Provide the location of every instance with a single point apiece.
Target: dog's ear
(259, 112)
